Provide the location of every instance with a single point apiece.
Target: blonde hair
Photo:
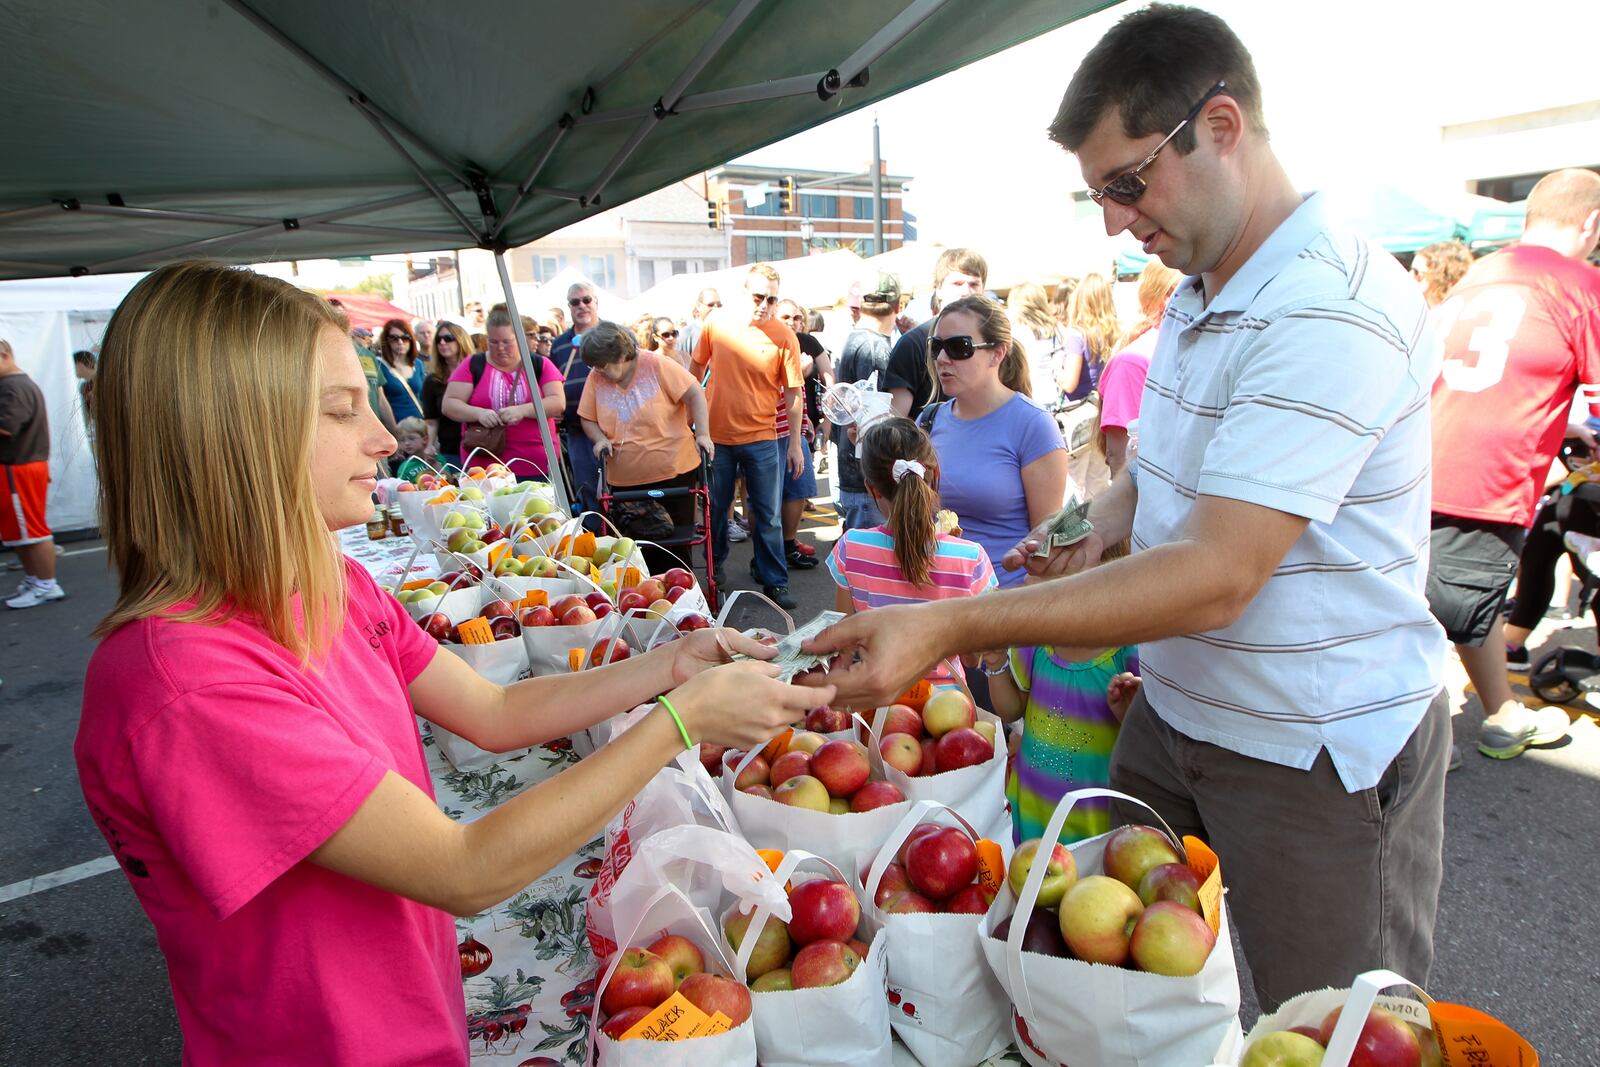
(1029, 306)
(1093, 313)
(1156, 283)
(994, 328)
(206, 409)
(412, 424)
(766, 270)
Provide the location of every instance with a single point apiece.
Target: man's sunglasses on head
(1128, 187)
(956, 348)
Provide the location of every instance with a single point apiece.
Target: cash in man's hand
(790, 660)
(1067, 527)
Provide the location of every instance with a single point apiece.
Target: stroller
(623, 508)
(1565, 675)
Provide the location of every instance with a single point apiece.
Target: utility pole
(877, 192)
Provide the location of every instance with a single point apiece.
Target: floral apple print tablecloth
(527, 970)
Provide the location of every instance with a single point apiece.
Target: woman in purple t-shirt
(500, 397)
(1003, 465)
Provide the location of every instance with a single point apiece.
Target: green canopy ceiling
(140, 131)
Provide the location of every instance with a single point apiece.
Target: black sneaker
(799, 561)
(1517, 657)
(779, 595)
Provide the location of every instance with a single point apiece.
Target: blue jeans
(858, 511)
(763, 484)
(585, 473)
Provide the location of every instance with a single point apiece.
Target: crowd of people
(1306, 473)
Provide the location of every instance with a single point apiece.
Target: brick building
(830, 210)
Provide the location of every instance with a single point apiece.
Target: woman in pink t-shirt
(248, 745)
(494, 392)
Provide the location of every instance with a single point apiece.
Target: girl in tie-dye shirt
(1072, 701)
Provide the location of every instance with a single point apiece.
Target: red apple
(651, 589)
(491, 535)
(609, 650)
(437, 625)
(495, 609)
(921, 830)
(946, 710)
(973, 900)
(538, 615)
(961, 747)
(693, 621)
(902, 720)
(566, 604)
(1132, 850)
(682, 956)
(841, 766)
(712, 993)
(894, 881)
(504, 627)
(1097, 917)
(675, 594)
(676, 578)
(756, 772)
(578, 616)
(823, 963)
(942, 862)
(763, 791)
(1042, 934)
(908, 902)
(788, 766)
(630, 600)
(711, 758)
(875, 795)
(1171, 939)
(660, 608)
(902, 752)
(595, 599)
(1313, 1032)
(860, 948)
(1063, 871)
(803, 791)
(806, 741)
(822, 910)
(640, 980)
(929, 758)
(772, 944)
(826, 720)
(1385, 1041)
(1176, 882)
(625, 1020)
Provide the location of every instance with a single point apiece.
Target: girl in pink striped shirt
(906, 560)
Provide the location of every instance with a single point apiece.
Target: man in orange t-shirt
(753, 358)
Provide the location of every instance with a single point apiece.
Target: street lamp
(807, 231)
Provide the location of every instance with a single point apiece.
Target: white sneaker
(1586, 548)
(32, 595)
(737, 531)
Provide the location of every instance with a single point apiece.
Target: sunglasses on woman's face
(575, 301)
(446, 339)
(668, 333)
(398, 337)
(957, 348)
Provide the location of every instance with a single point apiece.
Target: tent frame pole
(895, 31)
(526, 187)
(552, 453)
(372, 115)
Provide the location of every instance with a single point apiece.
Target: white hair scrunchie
(903, 467)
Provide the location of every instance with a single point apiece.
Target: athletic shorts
(803, 487)
(1471, 565)
(22, 518)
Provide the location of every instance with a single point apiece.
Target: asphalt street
(81, 979)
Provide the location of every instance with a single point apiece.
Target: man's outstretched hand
(1061, 562)
(878, 654)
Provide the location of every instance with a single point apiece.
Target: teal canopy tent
(138, 132)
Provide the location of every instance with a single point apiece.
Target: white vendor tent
(46, 320)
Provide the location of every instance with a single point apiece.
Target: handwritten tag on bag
(1468, 1036)
(476, 632)
(991, 866)
(535, 598)
(676, 1020)
(1205, 864)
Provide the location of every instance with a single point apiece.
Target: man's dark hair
(1152, 67)
(84, 358)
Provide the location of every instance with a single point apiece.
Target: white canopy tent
(46, 320)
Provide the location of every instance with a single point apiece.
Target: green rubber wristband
(682, 732)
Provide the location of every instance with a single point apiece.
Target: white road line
(30, 886)
(82, 551)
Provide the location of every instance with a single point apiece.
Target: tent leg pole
(552, 453)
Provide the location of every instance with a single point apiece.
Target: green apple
(436, 589)
(506, 566)
(609, 589)
(476, 521)
(457, 537)
(408, 596)
(472, 492)
(453, 520)
(623, 548)
(473, 546)
(537, 505)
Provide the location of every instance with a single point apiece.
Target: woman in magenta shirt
(498, 396)
(248, 745)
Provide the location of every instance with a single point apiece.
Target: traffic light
(713, 214)
(786, 194)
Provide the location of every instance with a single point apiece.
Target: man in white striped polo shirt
(1279, 506)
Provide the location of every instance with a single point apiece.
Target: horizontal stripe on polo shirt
(1302, 386)
(863, 562)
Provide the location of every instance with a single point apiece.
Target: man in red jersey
(1520, 333)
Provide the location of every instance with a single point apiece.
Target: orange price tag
(419, 583)
(772, 857)
(575, 657)
(916, 696)
(535, 598)
(991, 866)
(595, 575)
(630, 577)
(499, 551)
(1205, 864)
(1468, 1036)
(476, 632)
(675, 1020)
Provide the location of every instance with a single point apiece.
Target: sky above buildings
(1356, 90)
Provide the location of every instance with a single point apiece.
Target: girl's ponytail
(899, 464)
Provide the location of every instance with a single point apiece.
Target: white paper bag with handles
(944, 1002)
(850, 840)
(1364, 994)
(1094, 1015)
(977, 792)
(550, 647)
(845, 1025)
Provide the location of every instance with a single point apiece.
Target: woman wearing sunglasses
(666, 333)
(404, 367)
(1002, 463)
(450, 346)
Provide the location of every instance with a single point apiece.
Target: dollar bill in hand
(1067, 527)
(790, 660)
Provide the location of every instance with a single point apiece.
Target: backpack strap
(479, 361)
(926, 416)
